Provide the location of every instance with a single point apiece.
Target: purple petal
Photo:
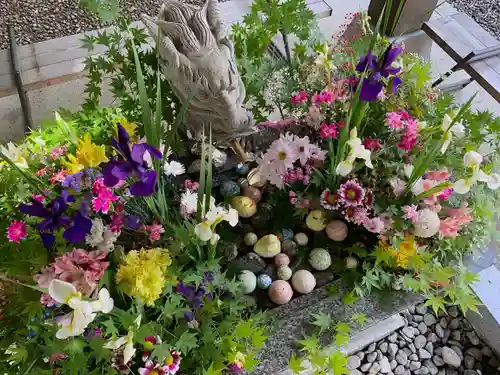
(370, 90)
(48, 239)
(189, 316)
(132, 222)
(367, 62)
(146, 186)
(116, 171)
(81, 227)
(36, 208)
(122, 144)
(390, 55)
(396, 81)
(139, 149)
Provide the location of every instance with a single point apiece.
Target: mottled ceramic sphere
(337, 230)
(289, 247)
(301, 239)
(281, 259)
(316, 220)
(264, 281)
(229, 189)
(248, 281)
(242, 169)
(320, 259)
(351, 262)
(253, 193)
(250, 239)
(286, 234)
(280, 292)
(284, 273)
(244, 205)
(303, 281)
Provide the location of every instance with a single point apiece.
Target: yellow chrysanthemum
(406, 250)
(142, 274)
(128, 126)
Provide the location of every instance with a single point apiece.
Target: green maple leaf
(110, 328)
(337, 363)
(350, 298)
(244, 329)
(333, 290)
(341, 339)
(161, 351)
(467, 302)
(443, 274)
(318, 359)
(322, 320)
(211, 371)
(383, 256)
(250, 362)
(470, 277)
(359, 318)
(343, 327)
(410, 283)
(437, 303)
(258, 338)
(310, 344)
(186, 342)
(295, 364)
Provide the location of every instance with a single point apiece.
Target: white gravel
(37, 20)
(485, 12)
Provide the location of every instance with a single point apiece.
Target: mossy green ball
(320, 259)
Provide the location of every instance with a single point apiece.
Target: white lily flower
(104, 303)
(473, 160)
(358, 151)
(408, 170)
(127, 342)
(457, 130)
(206, 229)
(15, 154)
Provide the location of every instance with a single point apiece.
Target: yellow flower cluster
(406, 250)
(88, 155)
(142, 274)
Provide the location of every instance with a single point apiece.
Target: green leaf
(437, 303)
(341, 339)
(161, 351)
(295, 364)
(337, 363)
(333, 290)
(244, 329)
(211, 371)
(322, 320)
(187, 342)
(258, 338)
(350, 298)
(470, 277)
(359, 318)
(443, 274)
(467, 302)
(318, 359)
(310, 344)
(110, 328)
(343, 327)
(75, 346)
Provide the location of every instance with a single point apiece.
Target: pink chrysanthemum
(372, 144)
(57, 152)
(103, 201)
(191, 185)
(351, 193)
(411, 212)
(374, 225)
(17, 231)
(329, 200)
(328, 131)
(360, 215)
(154, 231)
(58, 176)
(326, 97)
(349, 213)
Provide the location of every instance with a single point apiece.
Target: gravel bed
(427, 345)
(38, 20)
(485, 12)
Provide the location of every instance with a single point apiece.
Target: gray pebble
(413, 324)
(371, 347)
(421, 371)
(353, 362)
(453, 311)
(431, 366)
(474, 340)
(430, 348)
(451, 357)
(420, 341)
(407, 351)
(383, 347)
(493, 362)
(446, 335)
(401, 344)
(374, 369)
(422, 327)
(470, 372)
(379, 355)
(424, 354)
(412, 347)
(429, 319)
(408, 316)
(443, 323)
(392, 350)
(486, 351)
(393, 337)
(466, 325)
(418, 318)
(385, 366)
(455, 343)
(438, 360)
(371, 357)
(408, 332)
(366, 367)
(438, 351)
(411, 309)
(432, 337)
(455, 335)
(421, 309)
(413, 357)
(399, 370)
(415, 365)
(355, 372)
(442, 372)
(361, 355)
(439, 331)
(458, 351)
(394, 364)
(402, 358)
(469, 362)
(451, 371)
(454, 324)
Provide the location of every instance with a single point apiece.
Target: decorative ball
(303, 281)
(229, 249)
(284, 273)
(280, 292)
(248, 281)
(242, 169)
(249, 301)
(281, 260)
(253, 193)
(289, 247)
(256, 178)
(351, 262)
(286, 234)
(301, 239)
(264, 281)
(229, 189)
(250, 239)
(268, 246)
(316, 220)
(337, 230)
(242, 182)
(244, 205)
(320, 259)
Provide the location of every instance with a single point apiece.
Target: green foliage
(106, 10)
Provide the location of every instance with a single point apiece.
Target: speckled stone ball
(289, 247)
(264, 281)
(284, 273)
(250, 239)
(320, 259)
(242, 169)
(281, 259)
(317, 220)
(230, 189)
(248, 281)
(301, 239)
(303, 282)
(252, 192)
(351, 262)
(280, 292)
(337, 230)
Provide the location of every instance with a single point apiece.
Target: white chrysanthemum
(174, 168)
(427, 223)
(189, 201)
(100, 236)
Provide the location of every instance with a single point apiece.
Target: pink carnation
(191, 185)
(300, 98)
(42, 172)
(328, 131)
(394, 120)
(17, 231)
(154, 231)
(445, 194)
(103, 201)
(324, 97)
(58, 176)
(57, 152)
(411, 212)
(410, 134)
(372, 144)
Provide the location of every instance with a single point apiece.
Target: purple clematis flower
(132, 165)
(377, 70)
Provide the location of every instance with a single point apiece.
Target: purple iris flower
(132, 222)
(189, 316)
(82, 224)
(377, 69)
(192, 295)
(73, 181)
(132, 165)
